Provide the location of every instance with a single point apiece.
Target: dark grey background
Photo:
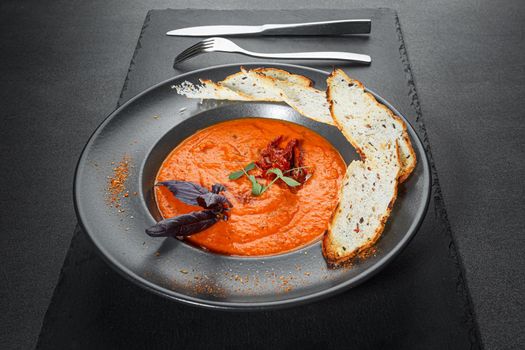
(71, 57)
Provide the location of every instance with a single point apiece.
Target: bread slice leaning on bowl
(265, 84)
(369, 187)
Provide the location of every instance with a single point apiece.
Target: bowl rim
(251, 306)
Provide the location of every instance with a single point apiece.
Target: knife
(347, 26)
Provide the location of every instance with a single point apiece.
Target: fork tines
(194, 50)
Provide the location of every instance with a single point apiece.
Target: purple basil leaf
(218, 188)
(213, 201)
(183, 225)
(185, 191)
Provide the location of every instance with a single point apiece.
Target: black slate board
(419, 301)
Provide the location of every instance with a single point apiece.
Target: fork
(225, 45)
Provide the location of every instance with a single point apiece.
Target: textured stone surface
(66, 59)
(426, 290)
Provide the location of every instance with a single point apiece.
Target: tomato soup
(277, 221)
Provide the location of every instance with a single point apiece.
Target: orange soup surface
(275, 222)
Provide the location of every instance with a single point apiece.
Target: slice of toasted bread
(365, 122)
(306, 100)
(367, 195)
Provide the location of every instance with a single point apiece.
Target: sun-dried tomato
(289, 157)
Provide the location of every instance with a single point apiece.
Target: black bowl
(146, 129)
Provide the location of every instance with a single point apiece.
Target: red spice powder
(116, 188)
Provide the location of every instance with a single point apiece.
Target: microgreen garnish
(237, 174)
(299, 170)
(257, 188)
(279, 174)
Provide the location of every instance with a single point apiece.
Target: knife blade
(339, 27)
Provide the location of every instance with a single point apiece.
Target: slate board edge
(439, 202)
(132, 62)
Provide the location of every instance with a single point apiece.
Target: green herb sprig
(237, 174)
(257, 188)
(279, 175)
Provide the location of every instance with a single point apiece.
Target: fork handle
(327, 55)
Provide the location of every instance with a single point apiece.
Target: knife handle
(347, 26)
